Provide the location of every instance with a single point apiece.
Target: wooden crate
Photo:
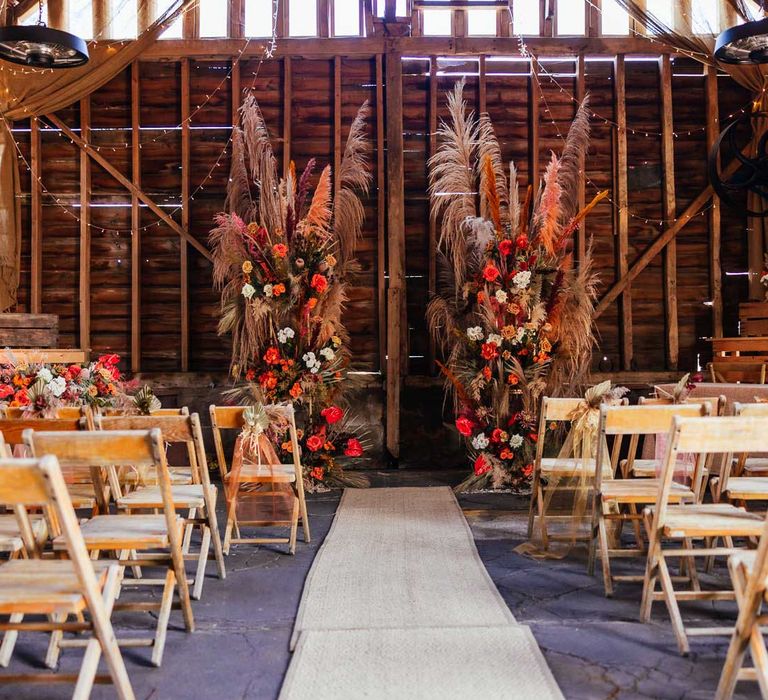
(29, 330)
(742, 359)
(753, 318)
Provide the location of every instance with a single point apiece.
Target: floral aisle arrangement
(283, 256)
(513, 318)
(40, 389)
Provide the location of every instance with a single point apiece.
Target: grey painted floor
(595, 646)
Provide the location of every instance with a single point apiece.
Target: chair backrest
(13, 426)
(114, 412)
(718, 402)
(102, 451)
(178, 427)
(750, 409)
(62, 413)
(704, 437)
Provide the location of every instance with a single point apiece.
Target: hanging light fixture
(39, 46)
(745, 43)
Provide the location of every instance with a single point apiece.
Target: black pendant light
(745, 43)
(39, 46)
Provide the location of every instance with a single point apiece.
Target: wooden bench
(34, 338)
(742, 359)
(51, 357)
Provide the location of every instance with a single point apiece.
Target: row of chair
(140, 513)
(690, 504)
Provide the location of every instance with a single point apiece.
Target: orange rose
(272, 356)
(319, 283)
(315, 442)
(278, 289)
(317, 473)
(280, 250)
(487, 373)
(296, 391)
(513, 380)
(312, 303)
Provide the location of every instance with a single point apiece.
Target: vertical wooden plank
(593, 18)
(533, 126)
(396, 333)
(381, 244)
(84, 282)
(135, 221)
(282, 18)
(185, 213)
(237, 93)
(145, 13)
(432, 242)
(287, 112)
(57, 14)
(236, 18)
(622, 215)
(323, 18)
(669, 208)
(190, 22)
(715, 270)
(100, 9)
(336, 124)
(581, 234)
(482, 93)
(36, 262)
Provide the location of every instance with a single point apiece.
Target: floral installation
(283, 256)
(513, 318)
(40, 389)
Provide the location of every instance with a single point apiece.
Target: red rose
(522, 241)
(21, 397)
(505, 247)
(250, 375)
(489, 351)
(315, 442)
(464, 425)
(280, 250)
(527, 470)
(491, 273)
(353, 448)
(481, 466)
(319, 283)
(272, 356)
(496, 435)
(74, 371)
(533, 437)
(268, 380)
(332, 414)
(317, 473)
(109, 360)
(6, 390)
(487, 373)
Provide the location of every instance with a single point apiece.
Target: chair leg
(218, 550)
(542, 518)
(54, 643)
(649, 582)
(690, 566)
(163, 616)
(202, 560)
(604, 555)
(734, 660)
(674, 610)
(294, 526)
(533, 504)
(181, 582)
(304, 517)
(9, 641)
(187, 541)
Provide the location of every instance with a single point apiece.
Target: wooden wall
(153, 302)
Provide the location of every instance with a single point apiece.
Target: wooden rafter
(125, 182)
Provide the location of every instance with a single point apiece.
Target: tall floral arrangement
(283, 257)
(512, 317)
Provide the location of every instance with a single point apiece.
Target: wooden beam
(186, 164)
(432, 242)
(336, 124)
(381, 243)
(236, 19)
(715, 270)
(669, 209)
(663, 239)
(482, 94)
(533, 127)
(581, 233)
(287, 112)
(84, 282)
(396, 333)
(190, 22)
(622, 214)
(101, 24)
(36, 214)
(323, 21)
(125, 182)
(135, 220)
(57, 14)
(237, 92)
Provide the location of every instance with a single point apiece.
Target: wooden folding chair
(667, 523)
(199, 496)
(749, 574)
(231, 418)
(650, 468)
(84, 492)
(157, 539)
(617, 500)
(59, 588)
(554, 413)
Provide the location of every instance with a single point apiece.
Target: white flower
(57, 386)
(328, 353)
(520, 334)
(764, 279)
(480, 441)
(522, 279)
(267, 290)
(495, 338)
(309, 358)
(285, 334)
(475, 333)
(45, 374)
(515, 441)
(501, 296)
(315, 368)
(248, 290)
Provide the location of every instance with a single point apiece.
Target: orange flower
(491, 273)
(487, 373)
(280, 250)
(480, 297)
(287, 446)
(528, 470)
(506, 454)
(315, 442)
(278, 289)
(250, 375)
(513, 380)
(317, 473)
(319, 283)
(272, 356)
(296, 391)
(312, 302)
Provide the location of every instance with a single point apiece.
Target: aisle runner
(398, 605)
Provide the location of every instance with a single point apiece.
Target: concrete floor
(595, 646)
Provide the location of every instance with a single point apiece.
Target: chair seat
(742, 564)
(756, 466)
(10, 537)
(645, 469)
(82, 496)
(554, 466)
(721, 519)
(256, 473)
(184, 496)
(34, 586)
(642, 491)
(748, 487)
(179, 475)
(124, 532)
